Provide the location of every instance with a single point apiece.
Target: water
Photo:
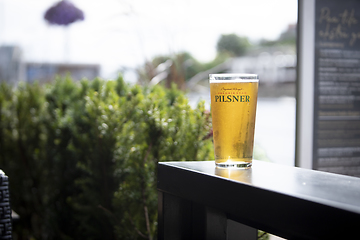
(274, 127)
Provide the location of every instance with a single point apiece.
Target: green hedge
(81, 156)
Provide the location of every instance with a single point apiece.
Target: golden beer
(233, 109)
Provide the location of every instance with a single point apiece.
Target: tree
(178, 68)
(233, 44)
(287, 37)
(81, 157)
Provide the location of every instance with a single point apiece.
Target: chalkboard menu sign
(336, 143)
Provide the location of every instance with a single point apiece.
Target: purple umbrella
(63, 13)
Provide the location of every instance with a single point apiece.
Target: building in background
(14, 69)
(45, 72)
(273, 64)
(11, 64)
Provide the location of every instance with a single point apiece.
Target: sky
(121, 33)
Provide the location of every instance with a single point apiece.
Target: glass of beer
(233, 109)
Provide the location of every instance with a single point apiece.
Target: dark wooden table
(199, 201)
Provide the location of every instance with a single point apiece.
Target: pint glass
(233, 109)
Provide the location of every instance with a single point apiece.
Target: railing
(199, 201)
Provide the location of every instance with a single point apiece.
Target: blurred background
(159, 42)
(78, 167)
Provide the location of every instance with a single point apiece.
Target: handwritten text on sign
(338, 25)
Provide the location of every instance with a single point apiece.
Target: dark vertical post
(216, 224)
(160, 216)
(238, 231)
(183, 219)
(174, 221)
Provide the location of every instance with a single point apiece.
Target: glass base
(241, 165)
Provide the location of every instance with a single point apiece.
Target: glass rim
(233, 77)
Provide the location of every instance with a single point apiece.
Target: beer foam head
(233, 77)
